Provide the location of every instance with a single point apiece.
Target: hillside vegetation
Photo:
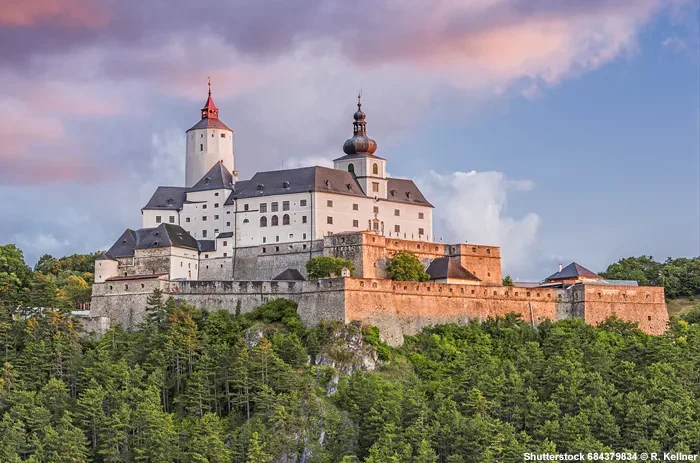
(193, 386)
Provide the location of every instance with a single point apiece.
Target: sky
(559, 130)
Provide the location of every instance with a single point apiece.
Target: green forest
(215, 386)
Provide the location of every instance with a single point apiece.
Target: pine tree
(256, 451)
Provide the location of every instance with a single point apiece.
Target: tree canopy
(327, 267)
(680, 277)
(405, 266)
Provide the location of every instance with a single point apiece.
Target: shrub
(507, 281)
(405, 266)
(326, 267)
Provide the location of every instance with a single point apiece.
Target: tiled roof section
(206, 245)
(217, 178)
(573, 270)
(225, 235)
(145, 238)
(165, 235)
(405, 191)
(137, 277)
(305, 179)
(447, 267)
(104, 256)
(210, 123)
(291, 274)
(125, 245)
(238, 186)
(167, 198)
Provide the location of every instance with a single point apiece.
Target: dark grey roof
(304, 179)
(167, 198)
(573, 270)
(104, 256)
(145, 238)
(225, 235)
(217, 178)
(447, 267)
(210, 123)
(238, 186)
(206, 245)
(405, 191)
(291, 274)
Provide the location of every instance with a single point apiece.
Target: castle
(220, 242)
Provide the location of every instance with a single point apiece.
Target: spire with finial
(359, 143)
(210, 111)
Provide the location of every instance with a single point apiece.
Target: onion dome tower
(359, 159)
(209, 141)
(360, 143)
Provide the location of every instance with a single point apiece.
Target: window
(375, 209)
(212, 135)
(228, 212)
(216, 204)
(291, 235)
(216, 193)
(225, 243)
(277, 239)
(303, 219)
(329, 203)
(397, 212)
(187, 220)
(264, 250)
(216, 230)
(421, 231)
(355, 207)
(263, 221)
(204, 234)
(420, 215)
(274, 207)
(329, 220)
(158, 219)
(275, 221)
(245, 207)
(264, 239)
(171, 219)
(375, 186)
(351, 168)
(285, 205)
(375, 226)
(263, 208)
(303, 236)
(355, 223)
(216, 217)
(204, 218)
(277, 249)
(223, 135)
(397, 228)
(228, 224)
(302, 202)
(285, 219)
(375, 169)
(225, 255)
(201, 135)
(201, 147)
(204, 206)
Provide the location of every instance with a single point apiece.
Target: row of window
(274, 220)
(274, 206)
(375, 169)
(171, 219)
(291, 236)
(201, 135)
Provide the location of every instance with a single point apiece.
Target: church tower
(359, 159)
(208, 142)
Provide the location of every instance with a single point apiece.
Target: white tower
(208, 142)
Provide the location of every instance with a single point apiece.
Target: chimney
(560, 267)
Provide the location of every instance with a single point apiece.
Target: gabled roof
(447, 267)
(405, 191)
(304, 179)
(573, 270)
(167, 198)
(291, 274)
(217, 178)
(104, 256)
(164, 235)
(210, 123)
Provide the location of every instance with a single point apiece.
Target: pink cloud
(71, 99)
(68, 13)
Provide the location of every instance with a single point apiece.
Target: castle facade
(221, 242)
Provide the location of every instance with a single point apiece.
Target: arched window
(285, 219)
(351, 168)
(375, 169)
(263, 221)
(275, 221)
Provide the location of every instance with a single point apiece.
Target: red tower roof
(210, 111)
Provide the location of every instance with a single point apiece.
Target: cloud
(472, 207)
(67, 13)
